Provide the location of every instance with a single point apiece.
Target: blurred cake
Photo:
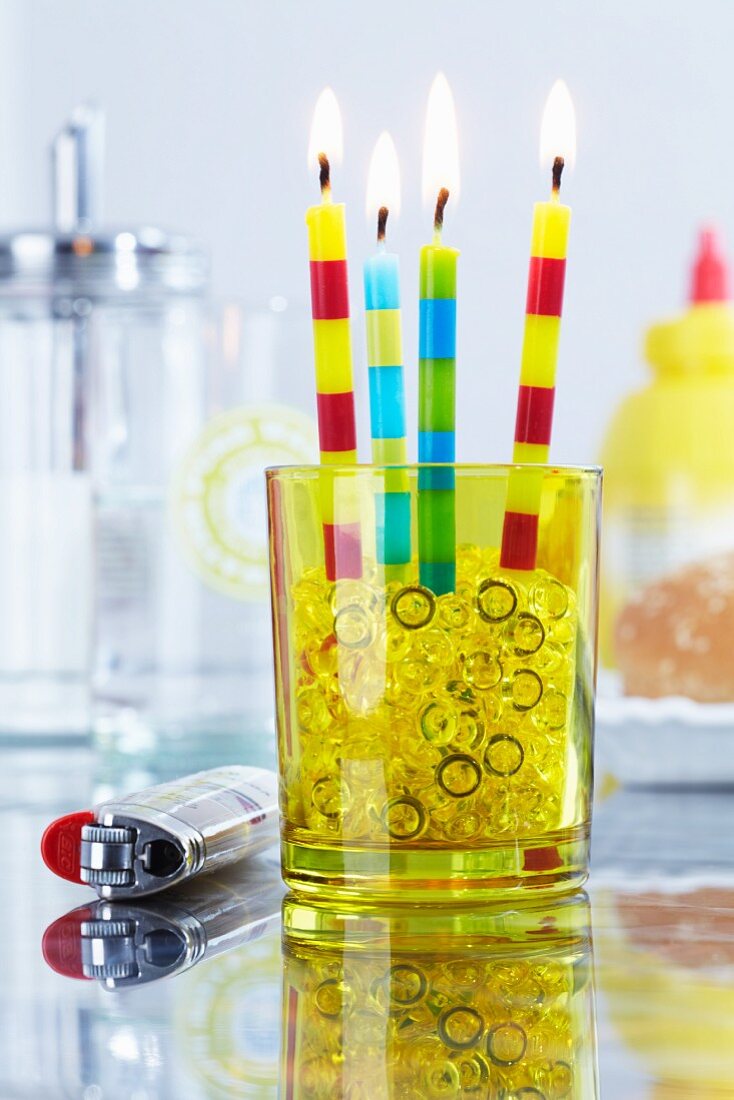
(676, 635)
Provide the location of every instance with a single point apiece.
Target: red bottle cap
(710, 271)
(62, 943)
(61, 844)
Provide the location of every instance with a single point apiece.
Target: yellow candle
(546, 277)
(327, 251)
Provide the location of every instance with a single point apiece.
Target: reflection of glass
(121, 944)
(434, 742)
(666, 967)
(183, 630)
(433, 1002)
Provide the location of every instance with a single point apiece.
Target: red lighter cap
(62, 942)
(710, 270)
(61, 844)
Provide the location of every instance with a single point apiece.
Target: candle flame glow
(440, 144)
(326, 130)
(558, 128)
(383, 179)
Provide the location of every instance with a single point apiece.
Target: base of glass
(543, 920)
(557, 862)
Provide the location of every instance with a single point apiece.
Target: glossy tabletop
(627, 996)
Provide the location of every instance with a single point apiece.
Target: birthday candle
(385, 366)
(327, 244)
(544, 305)
(437, 357)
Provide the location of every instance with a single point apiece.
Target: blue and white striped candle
(385, 366)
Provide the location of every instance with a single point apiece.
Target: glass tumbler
(436, 1001)
(433, 742)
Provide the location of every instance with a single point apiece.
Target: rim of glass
(313, 470)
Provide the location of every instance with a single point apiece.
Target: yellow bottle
(668, 455)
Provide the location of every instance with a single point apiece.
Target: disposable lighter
(121, 944)
(147, 841)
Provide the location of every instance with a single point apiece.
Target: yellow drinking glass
(433, 742)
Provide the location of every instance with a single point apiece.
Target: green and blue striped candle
(436, 411)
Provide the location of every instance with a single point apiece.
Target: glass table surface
(625, 992)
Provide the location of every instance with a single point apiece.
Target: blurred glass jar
(74, 307)
(135, 422)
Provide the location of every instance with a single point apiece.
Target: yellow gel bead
(313, 713)
(453, 612)
(473, 1073)
(414, 607)
(442, 1079)
(504, 755)
(397, 643)
(526, 689)
(404, 818)
(436, 647)
(506, 1043)
(458, 775)
(438, 723)
(470, 730)
(407, 985)
(464, 827)
(334, 998)
(525, 634)
(552, 712)
(482, 670)
(353, 627)
(460, 1027)
(549, 598)
(496, 601)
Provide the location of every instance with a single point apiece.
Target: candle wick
(558, 165)
(382, 215)
(325, 177)
(443, 198)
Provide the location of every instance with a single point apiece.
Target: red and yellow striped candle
(327, 250)
(543, 309)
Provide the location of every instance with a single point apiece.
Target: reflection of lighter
(150, 840)
(121, 944)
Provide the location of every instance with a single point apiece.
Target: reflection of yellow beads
(462, 1022)
(423, 719)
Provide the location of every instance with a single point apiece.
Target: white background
(209, 105)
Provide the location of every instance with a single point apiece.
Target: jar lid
(129, 263)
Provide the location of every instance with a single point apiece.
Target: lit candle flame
(326, 130)
(558, 128)
(383, 179)
(440, 144)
